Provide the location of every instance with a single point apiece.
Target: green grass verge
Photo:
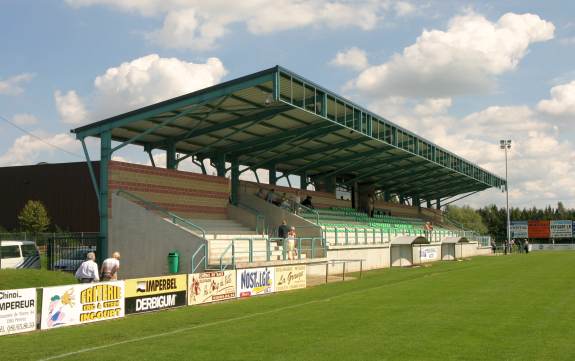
(490, 308)
(24, 278)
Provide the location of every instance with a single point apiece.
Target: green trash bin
(173, 262)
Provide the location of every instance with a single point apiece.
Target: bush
(34, 217)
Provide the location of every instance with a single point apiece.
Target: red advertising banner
(538, 229)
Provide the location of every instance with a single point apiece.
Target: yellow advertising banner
(147, 286)
(290, 277)
(211, 287)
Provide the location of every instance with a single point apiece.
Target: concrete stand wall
(144, 240)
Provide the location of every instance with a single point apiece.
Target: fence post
(251, 249)
(313, 248)
(268, 250)
(299, 249)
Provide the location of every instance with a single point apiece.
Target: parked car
(71, 258)
(19, 254)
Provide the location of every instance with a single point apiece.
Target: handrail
(258, 215)
(204, 258)
(231, 245)
(164, 211)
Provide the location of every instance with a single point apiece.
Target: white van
(19, 254)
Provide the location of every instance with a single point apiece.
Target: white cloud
(24, 119)
(14, 84)
(151, 79)
(541, 164)
(195, 24)
(353, 58)
(404, 8)
(432, 106)
(70, 107)
(28, 150)
(562, 102)
(466, 58)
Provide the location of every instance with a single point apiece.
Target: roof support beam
(202, 96)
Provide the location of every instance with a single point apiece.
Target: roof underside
(276, 118)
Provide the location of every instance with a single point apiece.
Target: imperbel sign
(83, 303)
(211, 287)
(17, 311)
(155, 293)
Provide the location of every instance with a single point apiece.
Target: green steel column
(386, 196)
(235, 180)
(303, 180)
(105, 155)
(438, 203)
(429, 203)
(221, 164)
(273, 175)
(171, 162)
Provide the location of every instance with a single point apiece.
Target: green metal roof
(278, 118)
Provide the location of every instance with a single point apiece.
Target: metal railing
(308, 246)
(204, 258)
(172, 216)
(373, 235)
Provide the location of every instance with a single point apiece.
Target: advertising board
(427, 253)
(209, 287)
(17, 311)
(83, 303)
(519, 229)
(538, 229)
(290, 277)
(561, 229)
(255, 281)
(155, 293)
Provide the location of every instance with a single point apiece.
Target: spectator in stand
(296, 200)
(283, 230)
(284, 202)
(88, 271)
(270, 196)
(307, 202)
(292, 253)
(370, 205)
(110, 267)
(261, 193)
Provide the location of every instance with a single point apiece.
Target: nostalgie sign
(519, 229)
(155, 293)
(290, 277)
(427, 253)
(17, 311)
(561, 229)
(255, 281)
(538, 229)
(211, 287)
(83, 303)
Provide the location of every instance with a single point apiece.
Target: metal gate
(67, 252)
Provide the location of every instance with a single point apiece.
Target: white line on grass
(180, 330)
(251, 315)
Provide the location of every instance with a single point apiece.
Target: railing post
(268, 253)
(299, 249)
(336, 242)
(251, 249)
(284, 251)
(233, 254)
(313, 248)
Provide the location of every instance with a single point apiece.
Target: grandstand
(281, 122)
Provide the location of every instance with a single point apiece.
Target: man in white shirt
(88, 271)
(110, 267)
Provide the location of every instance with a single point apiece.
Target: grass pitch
(517, 307)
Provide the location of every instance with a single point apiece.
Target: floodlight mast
(506, 145)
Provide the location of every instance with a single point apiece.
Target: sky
(463, 74)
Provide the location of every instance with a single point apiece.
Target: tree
(467, 217)
(34, 217)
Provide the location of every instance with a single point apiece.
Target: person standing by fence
(110, 267)
(88, 271)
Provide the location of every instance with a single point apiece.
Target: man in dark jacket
(283, 230)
